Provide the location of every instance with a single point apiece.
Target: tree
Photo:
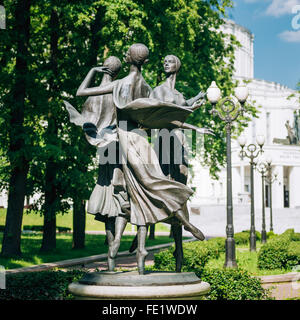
(66, 40)
(18, 159)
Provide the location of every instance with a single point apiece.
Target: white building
(275, 110)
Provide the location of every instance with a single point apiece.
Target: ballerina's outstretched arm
(184, 125)
(196, 99)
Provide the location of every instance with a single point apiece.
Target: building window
(247, 188)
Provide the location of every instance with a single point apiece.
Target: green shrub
(164, 260)
(241, 238)
(196, 254)
(271, 235)
(226, 284)
(233, 284)
(244, 237)
(293, 254)
(45, 285)
(296, 237)
(217, 245)
(275, 254)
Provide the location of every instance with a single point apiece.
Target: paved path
(123, 262)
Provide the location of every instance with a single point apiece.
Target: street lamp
(251, 152)
(262, 169)
(229, 112)
(270, 178)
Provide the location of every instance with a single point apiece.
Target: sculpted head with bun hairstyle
(137, 54)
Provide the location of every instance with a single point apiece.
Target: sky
(276, 28)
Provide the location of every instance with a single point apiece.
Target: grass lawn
(66, 220)
(31, 243)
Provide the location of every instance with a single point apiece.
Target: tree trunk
(51, 196)
(78, 224)
(11, 245)
(49, 229)
(18, 162)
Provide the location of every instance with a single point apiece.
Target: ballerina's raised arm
(84, 89)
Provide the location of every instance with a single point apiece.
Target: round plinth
(131, 285)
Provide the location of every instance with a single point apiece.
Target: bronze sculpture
(172, 155)
(152, 196)
(109, 200)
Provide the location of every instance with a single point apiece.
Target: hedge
(233, 284)
(296, 237)
(226, 284)
(280, 252)
(196, 255)
(44, 285)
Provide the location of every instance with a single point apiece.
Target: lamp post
(252, 152)
(270, 178)
(229, 111)
(262, 169)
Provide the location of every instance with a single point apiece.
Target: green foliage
(226, 284)
(196, 255)
(233, 284)
(45, 285)
(66, 39)
(86, 33)
(244, 237)
(216, 246)
(271, 235)
(241, 238)
(280, 252)
(293, 255)
(296, 236)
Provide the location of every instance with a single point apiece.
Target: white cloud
(279, 8)
(290, 36)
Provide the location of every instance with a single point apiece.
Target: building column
(277, 188)
(242, 185)
(257, 191)
(236, 178)
(294, 186)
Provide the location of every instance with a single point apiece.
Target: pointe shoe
(195, 232)
(111, 264)
(113, 249)
(141, 256)
(188, 226)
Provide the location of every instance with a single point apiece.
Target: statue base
(131, 285)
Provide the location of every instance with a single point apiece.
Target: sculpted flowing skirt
(153, 197)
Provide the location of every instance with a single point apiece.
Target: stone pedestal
(131, 285)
